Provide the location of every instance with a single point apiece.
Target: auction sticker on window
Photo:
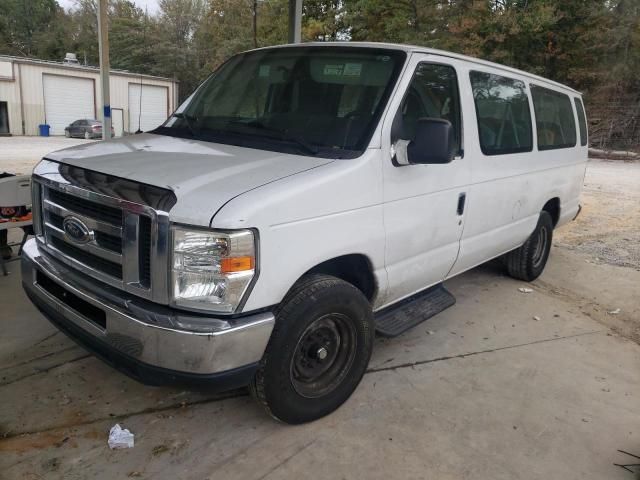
(334, 70)
(352, 69)
(264, 70)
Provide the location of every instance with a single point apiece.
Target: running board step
(398, 318)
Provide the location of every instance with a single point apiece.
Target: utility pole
(255, 23)
(103, 44)
(295, 21)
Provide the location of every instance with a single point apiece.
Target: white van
(302, 199)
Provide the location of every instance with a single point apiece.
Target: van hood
(203, 175)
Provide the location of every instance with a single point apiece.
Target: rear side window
(582, 121)
(554, 119)
(502, 109)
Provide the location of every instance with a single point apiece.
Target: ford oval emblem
(76, 231)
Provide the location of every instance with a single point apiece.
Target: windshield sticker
(352, 69)
(333, 70)
(264, 70)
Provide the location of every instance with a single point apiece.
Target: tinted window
(504, 118)
(554, 119)
(433, 93)
(582, 121)
(311, 100)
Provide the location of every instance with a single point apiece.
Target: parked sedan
(85, 128)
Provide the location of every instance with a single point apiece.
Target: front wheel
(318, 351)
(67, 133)
(528, 261)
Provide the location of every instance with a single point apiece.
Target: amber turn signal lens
(236, 264)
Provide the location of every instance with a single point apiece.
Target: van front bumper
(152, 343)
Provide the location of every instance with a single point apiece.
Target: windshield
(319, 101)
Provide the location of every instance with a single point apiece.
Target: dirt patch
(173, 448)
(607, 232)
(159, 450)
(621, 322)
(608, 228)
(36, 441)
(95, 435)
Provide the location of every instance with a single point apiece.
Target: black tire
(67, 133)
(87, 136)
(295, 383)
(528, 261)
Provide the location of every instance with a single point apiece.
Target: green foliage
(592, 45)
(24, 24)
(227, 28)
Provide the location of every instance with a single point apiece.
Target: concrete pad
(482, 391)
(20, 154)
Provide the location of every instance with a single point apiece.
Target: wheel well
(355, 269)
(552, 207)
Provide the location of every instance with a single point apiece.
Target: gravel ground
(608, 228)
(20, 154)
(607, 233)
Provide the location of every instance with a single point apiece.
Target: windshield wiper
(188, 120)
(260, 127)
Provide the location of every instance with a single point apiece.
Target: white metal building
(34, 92)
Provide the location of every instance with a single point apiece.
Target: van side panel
(507, 192)
(503, 212)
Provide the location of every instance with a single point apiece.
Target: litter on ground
(120, 437)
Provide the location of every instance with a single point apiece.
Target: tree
(175, 51)
(24, 22)
(322, 20)
(84, 30)
(272, 16)
(131, 38)
(226, 29)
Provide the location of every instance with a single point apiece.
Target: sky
(152, 5)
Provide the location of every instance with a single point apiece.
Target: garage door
(148, 112)
(67, 99)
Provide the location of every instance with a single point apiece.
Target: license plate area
(95, 315)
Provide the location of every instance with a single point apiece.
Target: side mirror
(434, 143)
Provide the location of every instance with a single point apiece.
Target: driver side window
(433, 93)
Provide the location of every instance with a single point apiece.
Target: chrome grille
(127, 246)
(58, 205)
(101, 213)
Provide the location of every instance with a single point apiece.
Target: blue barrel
(44, 130)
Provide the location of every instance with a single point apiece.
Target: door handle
(462, 198)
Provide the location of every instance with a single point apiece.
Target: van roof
(432, 51)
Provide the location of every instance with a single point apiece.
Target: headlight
(211, 270)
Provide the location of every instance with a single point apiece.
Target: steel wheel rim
(542, 238)
(323, 355)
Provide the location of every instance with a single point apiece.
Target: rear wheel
(318, 351)
(528, 261)
(67, 133)
(87, 136)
